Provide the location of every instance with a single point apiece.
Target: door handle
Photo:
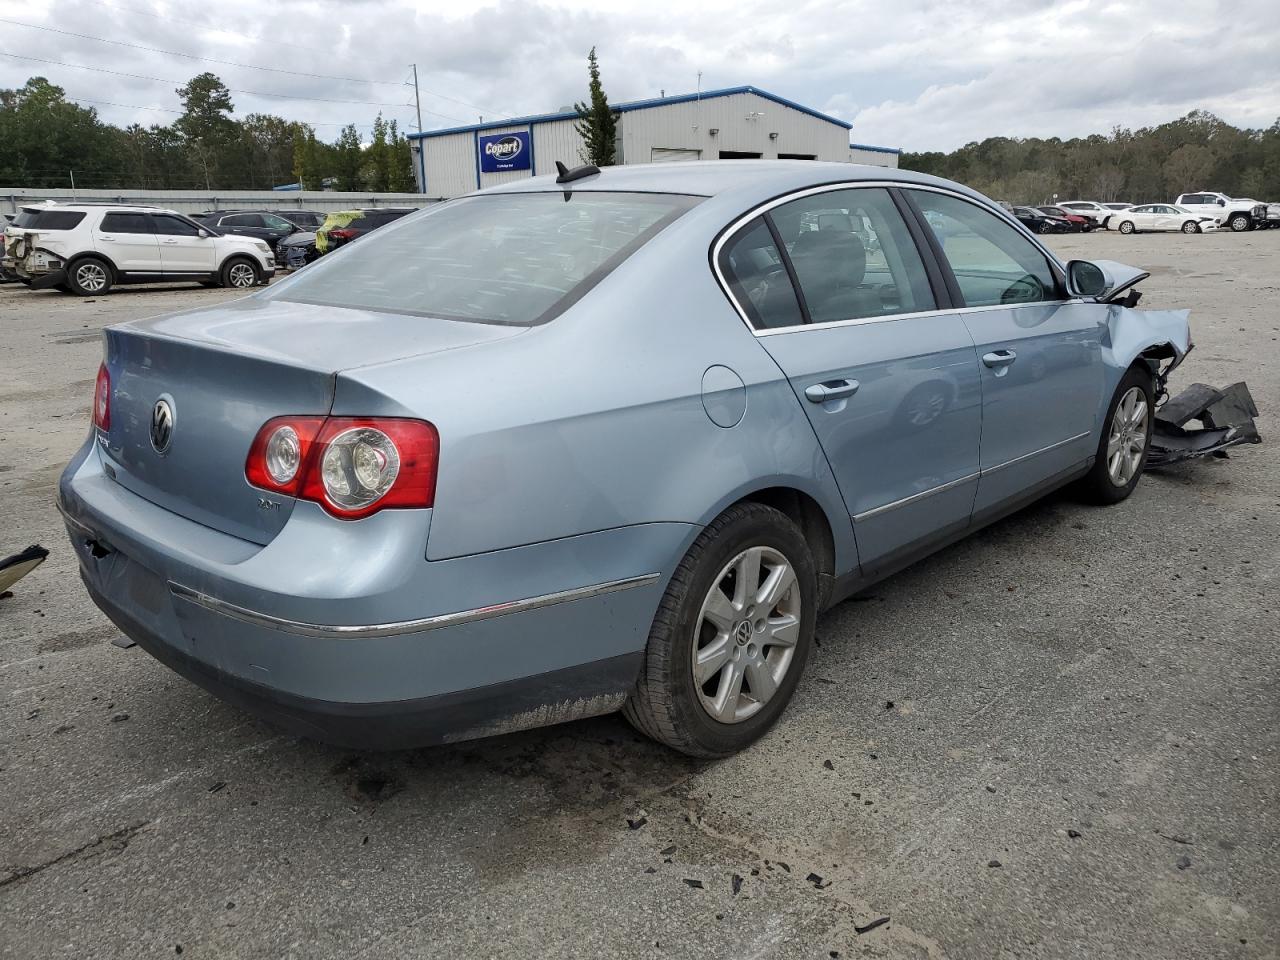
(999, 358)
(830, 390)
(107, 239)
(170, 241)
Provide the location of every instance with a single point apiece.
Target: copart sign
(505, 151)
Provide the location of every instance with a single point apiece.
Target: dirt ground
(1056, 739)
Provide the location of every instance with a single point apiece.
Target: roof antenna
(565, 175)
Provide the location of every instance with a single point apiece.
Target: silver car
(611, 440)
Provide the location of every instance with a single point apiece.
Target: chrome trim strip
(884, 318)
(1036, 453)
(369, 630)
(884, 508)
(72, 521)
(728, 232)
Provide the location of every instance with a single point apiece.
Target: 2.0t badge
(162, 421)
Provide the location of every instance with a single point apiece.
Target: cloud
(921, 74)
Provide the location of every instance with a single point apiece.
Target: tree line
(1197, 152)
(45, 139)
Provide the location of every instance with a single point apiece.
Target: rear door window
(993, 263)
(514, 258)
(242, 220)
(126, 223)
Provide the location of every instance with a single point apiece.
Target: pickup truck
(1239, 215)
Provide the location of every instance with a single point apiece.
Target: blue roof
(873, 149)
(637, 105)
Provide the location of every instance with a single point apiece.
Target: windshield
(515, 258)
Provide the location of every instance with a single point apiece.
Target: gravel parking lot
(1060, 738)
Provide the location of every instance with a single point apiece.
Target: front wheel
(731, 635)
(1126, 437)
(1239, 222)
(240, 273)
(1191, 227)
(1126, 227)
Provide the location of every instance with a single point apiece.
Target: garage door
(660, 154)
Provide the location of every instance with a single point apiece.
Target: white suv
(1237, 214)
(86, 249)
(1087, 208)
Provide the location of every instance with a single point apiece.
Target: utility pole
(422, 147)
(73, 184)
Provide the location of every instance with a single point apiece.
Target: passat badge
(162, 422)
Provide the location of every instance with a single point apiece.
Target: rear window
(48, 219)
(516, 258)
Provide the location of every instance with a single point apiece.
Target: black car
(1038, 222)
(259, 224)
(306, 219)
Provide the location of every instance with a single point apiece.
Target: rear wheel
(1126, 437)
(239, 272)
(1191, 227)
(1126, 227)
(88, 276)
(731, 635)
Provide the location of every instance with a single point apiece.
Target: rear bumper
(394, 651)
(51, 278)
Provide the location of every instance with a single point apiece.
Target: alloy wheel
(1127, 438)
(91, 277)
(241, 275)
(746, 634)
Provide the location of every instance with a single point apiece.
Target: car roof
(709, 178)
(86, 207)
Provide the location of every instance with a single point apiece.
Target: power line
(194, 23)
(230, 63)
(252, 93)
(134, 106)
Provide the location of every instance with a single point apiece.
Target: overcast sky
(917, 74)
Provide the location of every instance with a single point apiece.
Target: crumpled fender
(1131, 332)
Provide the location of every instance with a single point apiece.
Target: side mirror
(203, 234)
(1086, 279)
(1221, 202)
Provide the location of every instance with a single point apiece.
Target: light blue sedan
(606, 441)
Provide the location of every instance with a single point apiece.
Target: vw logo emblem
(743, 633)
(162, 425)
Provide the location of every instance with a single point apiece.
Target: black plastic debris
(123, 642)
(1225, 416)
(737, 884)
(695, 884)
(878, 922)
(828, 764)
(1184, 862)
(637, 823)
(14, 568)
(818, 882)
(668, 851)
(1074, 834)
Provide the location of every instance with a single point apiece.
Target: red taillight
(341, 234)
(351, 466)
(102, 399)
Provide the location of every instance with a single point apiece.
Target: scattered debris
(695, 884)
(879, 922)
(990, 789)
(736, 884)
(668, 851)
(14, 568)
(828, 764)
(119, 717)
(818, 882)
(785, 866)
(217, 785)
(1174, 839)
(1226, 418)
(888, 704)
(1074, 834)
(650, 869)
(994, 863)
(1184, 862)
(637, 823)
(123, 642)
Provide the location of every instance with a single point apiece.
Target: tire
(1191, 227)
(667, 703)
(1104, 483)
(89, 277)
(1239, 222)
(1126, 226)
(235, 275)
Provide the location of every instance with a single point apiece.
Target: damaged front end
(1226, 418)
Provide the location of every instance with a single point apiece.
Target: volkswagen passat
(608, 441)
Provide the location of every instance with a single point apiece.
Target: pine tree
(597, 124)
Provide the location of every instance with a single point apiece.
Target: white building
(735, 123)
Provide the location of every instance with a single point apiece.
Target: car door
(275, 229)
(1042, 371)
(837, 290)
(129, 241)
(182, 249)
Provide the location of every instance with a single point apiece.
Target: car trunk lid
(220, 374)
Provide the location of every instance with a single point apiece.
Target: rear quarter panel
(595, 420)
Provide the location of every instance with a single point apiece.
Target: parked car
(1038, 222)
(1096, 212)
(258, 224)
(1273, 216)
(347, 225)
(1239, 215)
(1161, 217)
(605, 440)
(88, 248)
(306, 219)
(296, 251)
(1075, 222)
